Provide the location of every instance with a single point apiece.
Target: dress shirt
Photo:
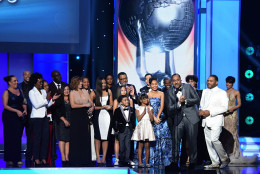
(126, 115)
(179, 94)
(58, 86)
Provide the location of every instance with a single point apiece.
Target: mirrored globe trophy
(156, 26)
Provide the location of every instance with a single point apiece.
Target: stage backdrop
(155, 38)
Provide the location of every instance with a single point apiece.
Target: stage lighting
(249, 120)
(77, 57)
(250, 51)
(249, 97)
(155, 49)
(249, 74)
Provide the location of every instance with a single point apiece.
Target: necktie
(126, 109)
(58, 86)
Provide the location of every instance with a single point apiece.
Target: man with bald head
(56, 87)
(25, 86)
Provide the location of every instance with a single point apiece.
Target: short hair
(148, 74)
(75, 82)
(120, 74)
(143, 96)
(120, 98)
(215, 77)
(7, 79)
(230, 79)
(167, 78)
(53, 72)
(26, 71)
(152, 79)
(35, 77)
(192, 77)
(176, 74)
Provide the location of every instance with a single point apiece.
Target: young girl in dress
(144, 130)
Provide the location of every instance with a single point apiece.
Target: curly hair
(34, 78)
(75, 82)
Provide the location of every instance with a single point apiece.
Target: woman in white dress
(103, 100)
(86, 85)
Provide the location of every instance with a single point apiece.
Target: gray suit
(183, 119)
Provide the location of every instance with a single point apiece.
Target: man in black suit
(147, 87)
(56, 87)
(25, 86)
(123, 81)
(124, 124)
(182, 111)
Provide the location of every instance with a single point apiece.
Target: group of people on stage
(84, 120)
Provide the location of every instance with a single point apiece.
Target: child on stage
(144, 130)
(124, 124)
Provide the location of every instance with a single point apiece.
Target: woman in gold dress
(231, 122)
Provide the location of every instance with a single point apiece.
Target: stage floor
(249, 146)
(255, 169)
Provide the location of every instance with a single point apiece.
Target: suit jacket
(39, 103)
(57, 109)
(189, 109)
(120, 121)
(147, 89)
(26, 94)
(216, 101)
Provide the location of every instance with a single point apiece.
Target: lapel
(209, 98)
(172, 93)
(183, 90)
(40, 95)
(123, 113)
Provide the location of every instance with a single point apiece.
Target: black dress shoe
(173, 167)
(191, 166)
(64, 163)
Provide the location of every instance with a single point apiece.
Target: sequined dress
(230, 124)
(161, 149)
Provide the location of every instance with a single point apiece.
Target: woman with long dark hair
(63, 128)
(80, 149)
(14, 110)
(161, 151)
(102, 117)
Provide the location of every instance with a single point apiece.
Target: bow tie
(177, 90)
(126, 109)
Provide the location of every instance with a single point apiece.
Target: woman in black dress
(63, 129)
(80, 149)
(13, 113)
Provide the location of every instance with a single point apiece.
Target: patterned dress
(232, 147)
(161, 149)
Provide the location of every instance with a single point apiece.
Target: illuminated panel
(225, 40)
(46, 63)
(3, 86)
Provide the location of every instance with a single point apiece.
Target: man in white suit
(214, 102)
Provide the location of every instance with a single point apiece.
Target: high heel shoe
(103, 164)
(37, 165)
